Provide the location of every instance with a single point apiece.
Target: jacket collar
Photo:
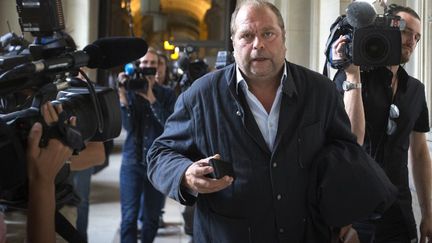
(288, 85)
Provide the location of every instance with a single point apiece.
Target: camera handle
(95, 101)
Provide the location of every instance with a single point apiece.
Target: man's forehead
(412, 23)
(149, 57)
(261, 17)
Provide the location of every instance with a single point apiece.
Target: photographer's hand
(149, 95)
(352, 98)
(43, 164)
(122, 77)
(339, 53)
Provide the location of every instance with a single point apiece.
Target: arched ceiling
(194, 8)
(183, 19)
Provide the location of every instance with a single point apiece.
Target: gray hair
(256, 4)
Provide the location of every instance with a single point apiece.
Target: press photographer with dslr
(388, 113)
(145, 105)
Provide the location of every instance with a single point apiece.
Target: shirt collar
(386, 74)
(240, 79)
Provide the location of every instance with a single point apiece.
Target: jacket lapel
(288, 109)
(247, 117)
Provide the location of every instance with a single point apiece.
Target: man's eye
(268, 34)
(247, 36)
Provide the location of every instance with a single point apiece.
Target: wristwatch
(347, 85)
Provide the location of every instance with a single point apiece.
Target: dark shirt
(391, 151)
(144, 122)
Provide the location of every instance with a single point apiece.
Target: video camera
(46, 70)
(137, 80)
(374, 40)
(189, 68)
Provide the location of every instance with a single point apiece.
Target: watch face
(349, 86)
(346, 86)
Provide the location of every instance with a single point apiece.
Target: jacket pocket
(310, 140)
(228, 230)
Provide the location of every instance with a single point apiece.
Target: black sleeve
(422, 122)
(167, 160)
(346, 183)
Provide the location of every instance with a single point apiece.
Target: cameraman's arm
(353, 98)
(43, 165)
(92, 155)
(122, 77)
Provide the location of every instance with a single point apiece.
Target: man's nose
(258, 42)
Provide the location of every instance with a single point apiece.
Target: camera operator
(43, 164)
(144, 112)
(388, 113)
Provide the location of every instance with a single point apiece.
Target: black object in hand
(221, 168)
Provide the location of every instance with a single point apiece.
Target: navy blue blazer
(270, 200)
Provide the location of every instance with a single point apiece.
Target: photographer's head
(150, 59)
(258, 36)
(162, 69)
(411, 33)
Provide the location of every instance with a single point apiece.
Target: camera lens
(375, 49)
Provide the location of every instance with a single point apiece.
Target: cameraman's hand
(339, 47)
(122, 77)
(43, 164)
(338, 53)
(149, 95)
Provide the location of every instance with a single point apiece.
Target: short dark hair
(394, 9)
(256, 3)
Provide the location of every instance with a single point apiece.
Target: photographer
(388, 113)
(43, 165)
(144, 111)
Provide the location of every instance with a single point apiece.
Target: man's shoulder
(213, 78)
(299, 71)
(305, 78)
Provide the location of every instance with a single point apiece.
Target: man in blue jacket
(144, 110)
(283, 129)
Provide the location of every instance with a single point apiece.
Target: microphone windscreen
(360, 14)
(110, 52)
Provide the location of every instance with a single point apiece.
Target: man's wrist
(348, 85)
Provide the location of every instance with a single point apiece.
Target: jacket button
(238, 113)
(279, 197)
(274, 165)
(281, 230)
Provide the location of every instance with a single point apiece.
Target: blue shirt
(267, 122)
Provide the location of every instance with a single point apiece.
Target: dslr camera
(136, 77)
(374, 40)
(46, 70)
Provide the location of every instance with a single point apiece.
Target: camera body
(22, 94)
(378, 44)
(137, 77)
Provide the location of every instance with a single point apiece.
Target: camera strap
(65, 229)
(338, 28)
